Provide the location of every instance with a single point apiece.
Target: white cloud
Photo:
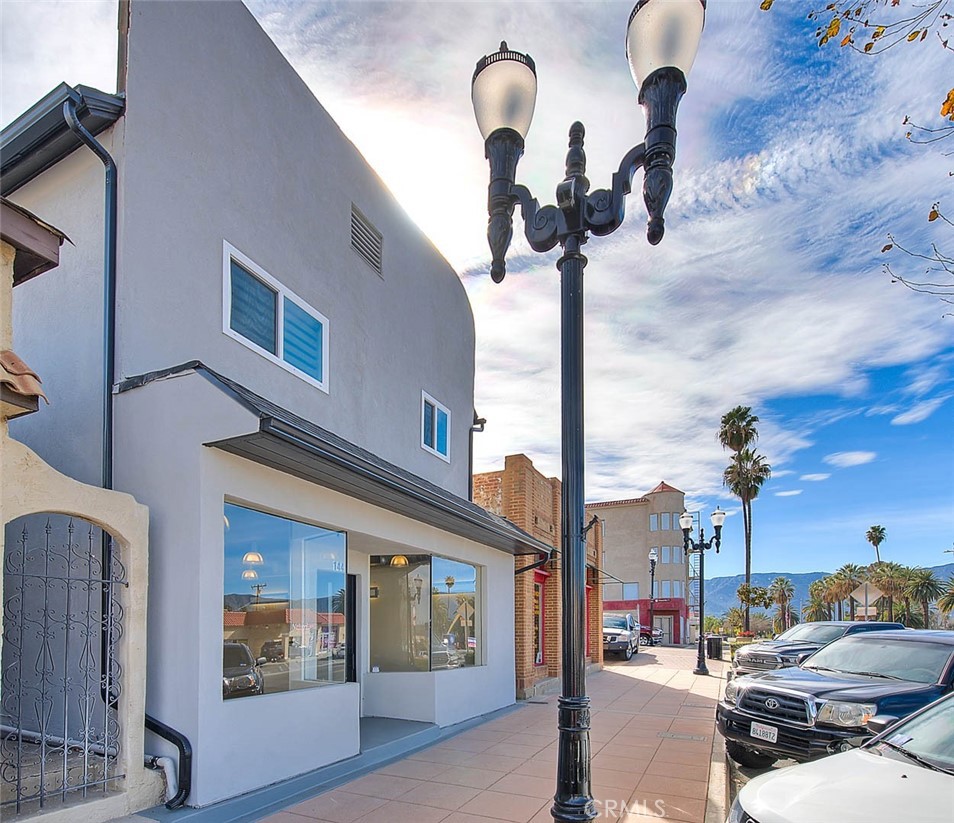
(814, 478)
(790, 493)
(918, 412)
(782, 473)
(844, 460)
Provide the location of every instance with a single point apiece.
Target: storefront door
(664, 622)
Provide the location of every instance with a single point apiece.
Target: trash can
(714, 648)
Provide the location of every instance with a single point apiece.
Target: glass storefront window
(400, 613)
(423, 614)
(284, 624)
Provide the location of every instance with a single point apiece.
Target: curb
(718, 795)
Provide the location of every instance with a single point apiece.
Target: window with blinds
(366, 240)
(271, 320)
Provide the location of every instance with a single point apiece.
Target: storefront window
(284, 623)
(423, 614)
(400, 613)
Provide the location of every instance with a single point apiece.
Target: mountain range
(720, 591)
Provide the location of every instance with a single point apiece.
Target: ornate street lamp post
(653, 557)
(685, 523)
(661, 42)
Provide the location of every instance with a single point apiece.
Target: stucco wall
(222, 141)
(190, 483)
(225, 141)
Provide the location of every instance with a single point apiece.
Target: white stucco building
(291, 396)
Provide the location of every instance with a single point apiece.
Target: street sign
(866, 593)
(866, 613)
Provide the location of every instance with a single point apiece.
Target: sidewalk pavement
(652, 743)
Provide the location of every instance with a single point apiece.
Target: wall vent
(366, 240)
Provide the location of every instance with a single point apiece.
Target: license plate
(763, 732)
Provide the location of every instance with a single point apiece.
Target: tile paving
(653, 723)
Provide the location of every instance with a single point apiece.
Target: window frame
(438, 407)
(230, 254)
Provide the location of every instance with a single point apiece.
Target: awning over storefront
(291, 444)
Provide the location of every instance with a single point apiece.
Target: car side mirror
(880, 722)
(802, 658)
(260, 661)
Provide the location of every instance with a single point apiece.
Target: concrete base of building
(551, 685)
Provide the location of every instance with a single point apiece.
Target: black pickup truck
(822, 706)
(793, 645)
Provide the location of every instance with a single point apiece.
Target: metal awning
(293, 445)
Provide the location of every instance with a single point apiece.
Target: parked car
(273, 651)
(792, 645)
(650, 637)
(904, 773)
(807, 711)
(620, 635)
(240, 674)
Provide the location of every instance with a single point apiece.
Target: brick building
(531, 501)
(631, 528)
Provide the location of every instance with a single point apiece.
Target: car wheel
(643, 641)
(628, 654)
(749, 758)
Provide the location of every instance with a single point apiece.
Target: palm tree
(744, 477)
(738, 431)
(945, 602)
(782, 591)
(924, 587)
(890, 578)
(876, 536)
(836, 590)
(735, 618)
(852, 576)
(817, 602)
(815, 608)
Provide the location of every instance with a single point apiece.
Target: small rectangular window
(630, 591)
(677, 588)
(666, 525)
(654, 522)
(666, 554)
(666, 588)
(435, 427)
(272, 321)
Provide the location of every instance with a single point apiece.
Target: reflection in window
(423, 614)
(284, 607)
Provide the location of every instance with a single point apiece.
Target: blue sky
(767, 290)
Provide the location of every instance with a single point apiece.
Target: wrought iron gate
(61, 676)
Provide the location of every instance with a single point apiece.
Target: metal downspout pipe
(111, 209)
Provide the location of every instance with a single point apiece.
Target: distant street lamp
(653, 557)
(685, 523)
(662, 37)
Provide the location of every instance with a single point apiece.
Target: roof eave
(39, 138)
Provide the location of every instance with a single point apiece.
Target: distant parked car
(792, 645)
(650, 637)
(620, 635)
(823, 705)
(273, 650)
(905, 773)
(240, 674)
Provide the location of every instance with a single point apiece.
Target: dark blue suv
(822, 706)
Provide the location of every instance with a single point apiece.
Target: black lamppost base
(700, 670)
